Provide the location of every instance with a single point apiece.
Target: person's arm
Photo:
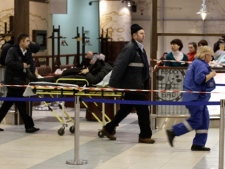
(167, 58)
(202, 74)
(84, 71)
(30, 62)
(209, 76)
(11, 62)
(123, 60)
(94, 79)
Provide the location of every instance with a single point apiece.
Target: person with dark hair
(216, 46)
(220, 49)
(192, 47)
(131, 71)
(176, 56)
(18, 60)
(33, 46)
(202, 42)
(199, 77)
(5, 47)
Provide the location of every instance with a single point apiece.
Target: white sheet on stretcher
(29, 92)
(105, 81)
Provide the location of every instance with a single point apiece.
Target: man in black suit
(17, 61)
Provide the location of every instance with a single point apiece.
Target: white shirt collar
(141, 46)
(23, 51)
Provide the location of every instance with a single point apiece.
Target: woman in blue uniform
(199, 77)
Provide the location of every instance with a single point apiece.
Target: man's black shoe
(107, 134)
(146, 140)
(32, 130)
(170, 136)
(199, 148)
(1, 129)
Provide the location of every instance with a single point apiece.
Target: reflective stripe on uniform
(201, 131)
(187, 125)
(136, 64)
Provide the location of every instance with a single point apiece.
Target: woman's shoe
(170, 136)
(199, 148)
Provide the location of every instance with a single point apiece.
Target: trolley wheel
(100, 134)
(72, 129)
(61, 131)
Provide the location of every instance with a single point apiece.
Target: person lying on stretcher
(93, 74)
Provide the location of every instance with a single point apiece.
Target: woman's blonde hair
(202, 51)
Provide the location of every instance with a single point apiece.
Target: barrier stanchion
(76, 160)
(221, 136)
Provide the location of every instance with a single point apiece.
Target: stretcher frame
(61, 89)
(65, 116)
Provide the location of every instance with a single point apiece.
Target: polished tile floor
(47, 150)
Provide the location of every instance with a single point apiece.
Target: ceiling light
(128, 4)
(203, 10)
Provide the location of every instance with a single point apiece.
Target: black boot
(1, 129)
(199, 148)
(170, 136)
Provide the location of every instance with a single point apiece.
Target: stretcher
(60, 89)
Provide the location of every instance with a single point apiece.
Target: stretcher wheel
(100, 134)
(61, 131)
(72, 129)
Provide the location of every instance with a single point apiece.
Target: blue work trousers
(198, 121)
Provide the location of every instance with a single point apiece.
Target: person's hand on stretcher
(37, 74)
(84, 71)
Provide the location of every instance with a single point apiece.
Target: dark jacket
(176, 64)
(99, 70)
(127, 75)
(15, 73)
(5, 47)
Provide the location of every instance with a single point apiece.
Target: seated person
(202, 42)
(216, 46)
(176, 54)
(192, 47)
(219, 51)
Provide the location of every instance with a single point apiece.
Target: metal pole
(221, 135)
(103, 114)
(76, 160)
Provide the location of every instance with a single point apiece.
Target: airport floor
(45, 149)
